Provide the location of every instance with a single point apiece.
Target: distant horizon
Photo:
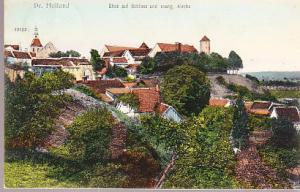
(266, 34)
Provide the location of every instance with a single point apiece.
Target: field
(27, 174)
(286, 93)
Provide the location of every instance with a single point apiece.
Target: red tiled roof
(8, 54)
(32, 54)
(132, 66)
(290, 113)
(218, 102)
(100, 86)
(114, 53)
(120, 60)
(259, 111)
(204, 38)
(36, 42)
(148, 99)
(162, 108)
(15, 47)
(144, 46)
(139, 52)
(117, 48)
(21, 55)
(261, 105)
(129, 84)
(165, 47)
(150, 82)
(60, 61)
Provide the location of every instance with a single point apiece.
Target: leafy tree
(90, 135)
(217, 63)
(148, 65)
(130, 99)
(86, 90)
(96, 60)
(240, 130)
(31, 104)
(206, 158)
(284, 134)
(186, 88)
(119, 71)
(235, 61)
(69, 53)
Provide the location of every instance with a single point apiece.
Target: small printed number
(20, 29)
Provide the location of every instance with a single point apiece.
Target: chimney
(157, 88)
(178, 47)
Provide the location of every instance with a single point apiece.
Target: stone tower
(36, 44)
(205, 45)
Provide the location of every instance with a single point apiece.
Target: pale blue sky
(265, 33)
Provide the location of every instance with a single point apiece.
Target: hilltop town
(167, 116)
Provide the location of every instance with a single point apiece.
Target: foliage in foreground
(90, 134)
(206, 159)
(130, 99)
(86, 90)
(31, 104)
(240, 129)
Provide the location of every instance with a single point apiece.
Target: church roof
(204, 38)
(36, 42)
(117, 48)
(167, 47)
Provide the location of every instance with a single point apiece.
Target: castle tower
(36, 44)
(205, 45)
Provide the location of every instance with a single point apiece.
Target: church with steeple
(37, 47)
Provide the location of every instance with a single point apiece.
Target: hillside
(218, 90)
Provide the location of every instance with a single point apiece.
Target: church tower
(36, 44)
(205, 45)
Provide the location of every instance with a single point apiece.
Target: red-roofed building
(11, 47)
(149, 102)
(81, 68)
(219, 102)
(18, 57)
(176, 47)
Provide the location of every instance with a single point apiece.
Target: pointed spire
(36, 34)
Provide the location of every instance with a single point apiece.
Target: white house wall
(154, 51)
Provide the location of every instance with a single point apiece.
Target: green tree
(234, 60)
(240, 130)
(206, 158)
(96, 60)
(130, 99)
(90, 135)
(119, 71)
(186, 88)
(148, 65)
(31, 104)
(284, 134)
(68, 53)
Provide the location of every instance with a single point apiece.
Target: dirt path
(252, 170)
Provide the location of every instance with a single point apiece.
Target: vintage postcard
(152, 94)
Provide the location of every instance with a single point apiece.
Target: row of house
(127, 57)
(38, 61)
(149, 97)
(265, 108)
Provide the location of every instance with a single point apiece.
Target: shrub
(31, 107)
(86, 90)
(221, 80)
(90, 135)
(130, 99)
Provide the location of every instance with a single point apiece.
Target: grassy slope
(19, 174)
(285, 93)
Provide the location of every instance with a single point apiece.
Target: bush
(31, 107)
(252, 78)
(284, 134)
(90, 134)
(259, 123)
(221, 80)
(130, 99)
(86, 90)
